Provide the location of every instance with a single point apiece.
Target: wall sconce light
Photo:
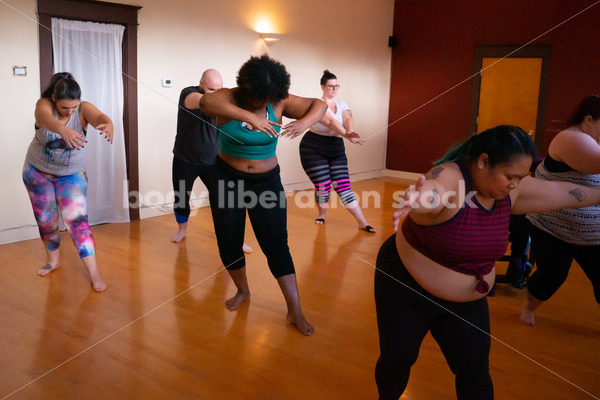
(271, 38)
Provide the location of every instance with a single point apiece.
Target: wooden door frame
(543, 52)
(109, 13)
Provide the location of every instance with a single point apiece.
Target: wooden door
(509, 93)
(509, 87)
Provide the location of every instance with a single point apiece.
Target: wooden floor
(161, 331)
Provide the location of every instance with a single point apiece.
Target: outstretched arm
(44, 118)
(537, 195)
(222, 105)
(192, 101)
(334, 125)
(100, 121)
(349, 125)
(305, 111)
(347, 120)
(430, 195)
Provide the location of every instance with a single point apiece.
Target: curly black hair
(262, 79)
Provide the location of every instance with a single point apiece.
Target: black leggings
(553, 258)
(406, 314)
(183, 176)
(231, 194)
(519, 236)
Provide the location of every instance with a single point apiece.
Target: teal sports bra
(241, 142)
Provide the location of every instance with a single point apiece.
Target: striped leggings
(48, 194)
(324, 161)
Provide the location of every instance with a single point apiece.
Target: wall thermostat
(19, 70)
(167, 82)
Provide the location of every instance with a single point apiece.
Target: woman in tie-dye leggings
(323, 154)
(54, 172)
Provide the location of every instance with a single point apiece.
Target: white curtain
(92, 52)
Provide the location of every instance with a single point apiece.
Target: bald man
(196, 147)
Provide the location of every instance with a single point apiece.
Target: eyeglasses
(333, 86)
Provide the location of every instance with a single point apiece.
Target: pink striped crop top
(470, 242)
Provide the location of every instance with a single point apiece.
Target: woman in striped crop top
(247, 173)
(561, 236)
(440, 265)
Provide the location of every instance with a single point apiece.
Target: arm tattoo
(578, 194)
(434, 173)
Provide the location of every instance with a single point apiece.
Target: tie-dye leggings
(324, 161)
(49, 194)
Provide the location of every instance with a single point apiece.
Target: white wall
(18, 46)
(178, 39)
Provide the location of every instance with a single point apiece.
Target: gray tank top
(49, 153)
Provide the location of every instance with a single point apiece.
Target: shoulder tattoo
(434, 173)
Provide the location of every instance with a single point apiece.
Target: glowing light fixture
(270, 38)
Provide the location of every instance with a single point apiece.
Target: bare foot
(301, 324)
(46, 269)
(246, 248)
(527, 317)
(528, 310)
(234, 302)
(178, 237)
(97, 283)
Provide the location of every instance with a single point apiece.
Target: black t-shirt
(197, 140)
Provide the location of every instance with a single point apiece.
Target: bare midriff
(438, 280)
(249, 165)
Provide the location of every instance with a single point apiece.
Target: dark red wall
(430, 108)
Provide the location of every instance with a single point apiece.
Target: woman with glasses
(559, 237)
(323, 154)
